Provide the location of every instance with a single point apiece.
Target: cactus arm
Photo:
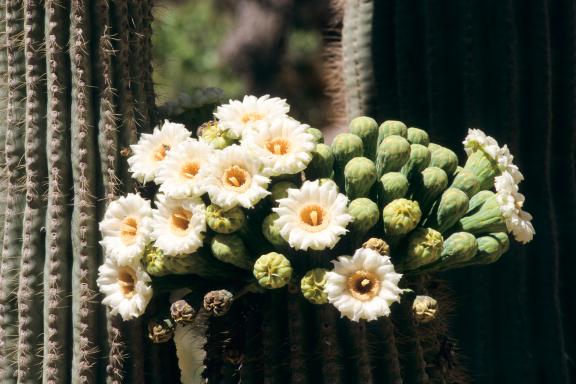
(127, 126)
(3, 102)
(84, 225)
(251, 370)
(32, 256)
(327, 320)
(297, 339)
(148, 18)
(357, 57)
(358, 337)
(384, 354)
(15, 201)
(135, 44)
(272, 333)
(56, 277)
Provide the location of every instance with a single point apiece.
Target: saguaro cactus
(71, 101)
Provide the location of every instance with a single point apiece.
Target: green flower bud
(222, 221)
(154, 261)
(272, 232)
(392, 186)
(452, 207)
(484, 167)
(444, 158)
(377, 245)
(182, 312)
(318, 135)
(345, 147)
(389, 128)
(484, 215)
(218, 303)
(417, 136)
(161, 330)
(280, 189)
(424, 248)
(200, 264)
(491, 247)
(365, 214)
(418, 161)
(425, 308)
(366, 128)
(429, 187)
(393, 153)
(272, 270)
(312, 286)
(321, 164)
(359, 177)
(458, 249)
(466, 181)
(231, 249)
(212, 133)
(400, 217)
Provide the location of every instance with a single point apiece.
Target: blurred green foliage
(186, 40)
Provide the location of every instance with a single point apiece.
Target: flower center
(180, 220)
(363, 285)
(128, 230)
(160, 153)
(278, 146)
(190, 169)
(127, 281)
(236, 178)
(313, 217)
(251, 116)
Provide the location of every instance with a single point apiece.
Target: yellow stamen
(128, 230)
(180, 220)
(236, 178)
(189, 170)
(278, 146)
(160, 153)
(363, 285)
(127, 281)
(251, 116)
(313, 217)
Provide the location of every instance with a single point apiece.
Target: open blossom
(241, 116)
(235, 178)
(363, 286)
(314, 216)
(478, 140)
(151, 150)
(126, 228)
(178, 225)
(126, 288)
(283, 145)
(179, 173)
(511, 202)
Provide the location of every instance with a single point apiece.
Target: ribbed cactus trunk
(71, 100)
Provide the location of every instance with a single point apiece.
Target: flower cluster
(255, 200)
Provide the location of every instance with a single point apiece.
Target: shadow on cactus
(259, 228)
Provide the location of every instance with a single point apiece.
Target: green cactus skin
(298, 319)
(345, 147)
(385, 354)
(444, 158)
(458, 249)
(84, 215)
(466, 181)
(418, 161)
(393, 153)
(389, 128)
(417, 136)
(15, 199)
(136, 65)
(452, 207)
(273, 329)
(429, 187)
(225, 221)
(484, 167)
(484, 215)
(280, 189)
(392, 186)
(357, 57)
(201, 264)
(366, 128)
(365, 214)
(327, 318)
(32, 259)
(3, 108)
(400, 217)
(424, 248)
(272, 270)
(321, 164)
(359, 177)
(231, 249)
(318, 135)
